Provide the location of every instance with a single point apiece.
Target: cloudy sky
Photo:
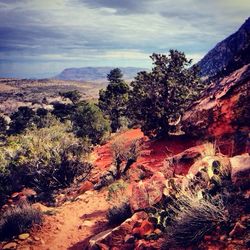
(39, 38)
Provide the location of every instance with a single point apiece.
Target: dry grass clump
(118, 214)
(125, 150)
(192, 217)
(18, 219)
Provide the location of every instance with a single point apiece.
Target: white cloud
(109, 32)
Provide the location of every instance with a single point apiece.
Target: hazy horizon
(41, 38)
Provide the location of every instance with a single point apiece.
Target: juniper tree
(113, 100)
(162, 95)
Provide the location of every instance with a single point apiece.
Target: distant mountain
(228, 55)
(95, 73)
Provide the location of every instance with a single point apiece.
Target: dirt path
(73, 223)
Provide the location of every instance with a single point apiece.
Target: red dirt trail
(74, 222)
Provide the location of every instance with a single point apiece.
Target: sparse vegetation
(120, 210)
(118, 214)
(127, 152)
(3, 127)
(17, 220)
(117, 192)
(192, 218)
(44, 159)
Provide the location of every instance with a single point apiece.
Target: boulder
(118, 237)
(10, 245)
(179, 164)
(87, 185)
(223, 112)
(241, 171)
(146, 228)
(147, 193)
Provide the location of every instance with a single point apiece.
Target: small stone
(15, 195)
(36, 238)
(157, 231)
(223, 238)
(88, 223)
(23, 236)
(238, 242)
(129, 239)
(10, 245)
(146, 228)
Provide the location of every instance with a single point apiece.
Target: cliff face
(223, 112)
(228, 55)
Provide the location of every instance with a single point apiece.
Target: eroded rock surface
(223, 113)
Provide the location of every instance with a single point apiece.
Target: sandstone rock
(115, 237)
(181, 162)
(223, 111)
(147, 193)
(10, 245)
(86, 186)
(241, 171)
(23, 236)
(146, 228)
(129, 239)
(223, 238)
(87, 223)
(139, 199)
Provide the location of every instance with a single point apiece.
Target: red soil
(74, 222)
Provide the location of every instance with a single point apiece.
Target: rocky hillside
(94, 73)
(223, 111)
(229, 54)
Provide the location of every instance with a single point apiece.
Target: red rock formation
(223, 113)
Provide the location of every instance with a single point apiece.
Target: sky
(39, 38)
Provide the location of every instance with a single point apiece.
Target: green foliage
(63, 111)
(21, 119)
(115, 76)
(3, 127)
(113, 100)
(118, 214)
(89, 122)
(43, 118)
(161, 96)
(17, 220)
(44, 159)
(116, 192)
(74, 96)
